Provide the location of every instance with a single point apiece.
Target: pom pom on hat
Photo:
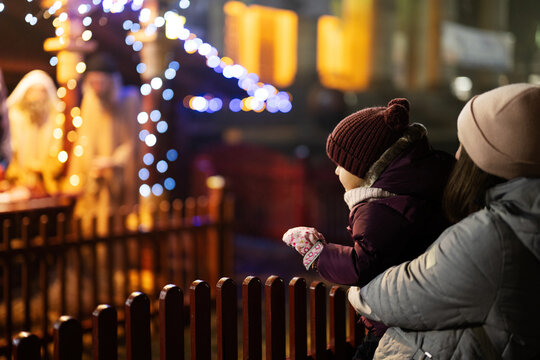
(396, 115)
(362, 137)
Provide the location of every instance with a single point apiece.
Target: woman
(475, 293)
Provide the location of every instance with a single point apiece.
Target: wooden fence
(45, 276)
(68, 340)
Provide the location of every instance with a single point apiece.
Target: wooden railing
(46, 276)
(68, 341)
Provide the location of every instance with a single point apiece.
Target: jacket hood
(418, 170)
(518, 203)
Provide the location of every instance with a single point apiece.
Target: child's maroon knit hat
(362, 137)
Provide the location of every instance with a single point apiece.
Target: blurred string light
(260, 97)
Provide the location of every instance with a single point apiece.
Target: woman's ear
(458, 152)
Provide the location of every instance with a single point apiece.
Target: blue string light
(261, 96)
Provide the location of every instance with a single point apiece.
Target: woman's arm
(452, 284)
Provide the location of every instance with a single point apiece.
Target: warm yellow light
(248, 103)
(61, 92)
(71, 84)
(215, 182)
(60, 119)
(56, 22)
(75, 111)
(78, 150)
(62, 156)
(244, 104)
(57, 133)
(80, 67)
(72, 136)
(77, 121)
(74, 180)
(344, 46)
(67, 61)
(227, 60)
(263, 40)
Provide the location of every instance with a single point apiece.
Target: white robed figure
(33, 109)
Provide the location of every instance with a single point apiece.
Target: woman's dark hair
(465, 192)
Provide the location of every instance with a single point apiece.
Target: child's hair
(465, 192)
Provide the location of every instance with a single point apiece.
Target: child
(393, 183)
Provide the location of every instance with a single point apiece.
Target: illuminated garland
(261, 96)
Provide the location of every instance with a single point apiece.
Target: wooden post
(338, 339)
(7, 283)
(44, 281)
(226, 313)
(297, 319)
(137, 313)
(25, 276)
(26, 346)
(317, 292)
(104, 333)
(199, 301)
(61, 259)
(67, 339)
(77, 229)
(251, 318)
(171, 323)
(275, 317)
(356, 328)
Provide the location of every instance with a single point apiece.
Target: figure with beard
(106, 170)
(33, 106)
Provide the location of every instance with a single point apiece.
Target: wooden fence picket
(251, 318)
(8, 297)
(201, 335)
(297, 319)
(25, 271)
(317, 291)
(137, 313)
(26, 346)
(171, 323)
(67, 331)
(44, 280)
(67, 335)
(104, 333)
(275, 317)
(338, 336)
(226, 320)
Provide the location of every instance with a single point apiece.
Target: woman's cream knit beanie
(500, 130)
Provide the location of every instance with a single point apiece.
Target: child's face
(348, 180)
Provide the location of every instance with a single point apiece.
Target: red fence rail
(45, 276)
(137, 327)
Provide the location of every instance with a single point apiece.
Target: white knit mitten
(307, 241)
